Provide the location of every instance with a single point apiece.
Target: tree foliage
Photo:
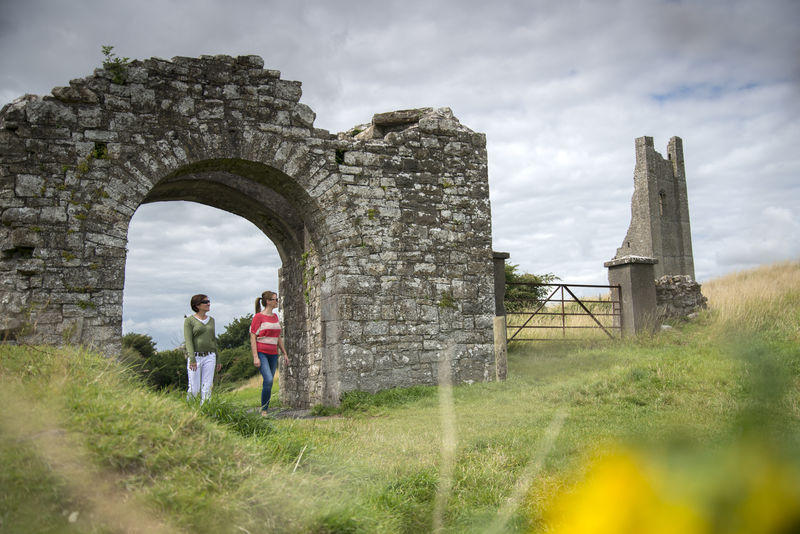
(521, 294)
(141, 343)
(236, 334)
(167, 369)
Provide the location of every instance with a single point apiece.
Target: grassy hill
(696, 429)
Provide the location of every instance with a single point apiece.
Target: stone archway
(270, 200)
(384, 231)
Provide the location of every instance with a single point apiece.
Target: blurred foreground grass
(691, 430)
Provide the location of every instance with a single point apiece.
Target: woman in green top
(201, 348)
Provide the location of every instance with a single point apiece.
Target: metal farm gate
(562, 312)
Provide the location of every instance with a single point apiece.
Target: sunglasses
(205, 302)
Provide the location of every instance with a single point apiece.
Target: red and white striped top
(267, 329)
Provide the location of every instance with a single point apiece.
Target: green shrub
(167, 370)
(141, 343)
(237, 364)
(116, 66)
(521, 297)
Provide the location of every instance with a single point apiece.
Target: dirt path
(101, 504)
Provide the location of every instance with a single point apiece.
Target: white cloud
(775, 236)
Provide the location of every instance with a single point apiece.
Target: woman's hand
(285, 359)
(257, 362)
(193, 366)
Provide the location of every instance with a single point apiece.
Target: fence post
(636, 277)
(500, 334)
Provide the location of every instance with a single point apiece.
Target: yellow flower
(618, 496)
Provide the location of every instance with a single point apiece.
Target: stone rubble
(678, 297)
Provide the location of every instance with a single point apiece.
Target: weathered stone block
(75, 94)
(303, 116)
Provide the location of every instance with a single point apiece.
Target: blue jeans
(269, 363)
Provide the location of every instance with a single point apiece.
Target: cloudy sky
(560, 88)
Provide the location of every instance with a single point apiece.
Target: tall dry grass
(564, 322)
(763, 298)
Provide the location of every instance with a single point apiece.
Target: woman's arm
(188, 340)
(282, 349)
(254, 350)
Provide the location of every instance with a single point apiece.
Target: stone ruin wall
(384, 232)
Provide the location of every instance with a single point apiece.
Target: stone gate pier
(384, 231)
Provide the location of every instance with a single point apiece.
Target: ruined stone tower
(660, 210)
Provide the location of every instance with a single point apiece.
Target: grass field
(696, 429)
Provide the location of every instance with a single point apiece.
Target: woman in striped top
(266, 343)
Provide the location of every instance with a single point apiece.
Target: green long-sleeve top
(199, 337)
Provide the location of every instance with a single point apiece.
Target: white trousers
(201, 380)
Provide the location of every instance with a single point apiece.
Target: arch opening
(179, 248)
(275, 207)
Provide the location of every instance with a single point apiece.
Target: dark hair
(196, 300)
(262, 300)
